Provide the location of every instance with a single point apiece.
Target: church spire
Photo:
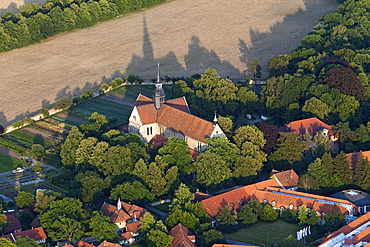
(119, 204)
(158, 94)
(215, 120)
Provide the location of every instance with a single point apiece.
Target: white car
(18, 170)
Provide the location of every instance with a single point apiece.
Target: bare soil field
(185, 36)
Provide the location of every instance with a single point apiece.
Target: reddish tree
(271, 135)
(1, 130)
(346, 81)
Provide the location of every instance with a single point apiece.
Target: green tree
(58, 18)
(249, 133)
(316, 107)
(211, 169)
(70, 146)
(341, 168)
(43, 200)
(183, 195)
(92, 184)
(313, 218)
(302, 214)
(176, 152)
(44, 112)
(4, 242)
(189, 220)
(134, 192)
(322, 176)
(362, 173)
(362, 133)
(256, 206)
(254, 68)
(226, 218)
(289, 148)
(24, 199)
(37, 150)
(211, 237)
(268, 213)
(63, 103)
(101, 228)
(97, 123)
(247, 216)
(289, 216)
(158, 238)
(26, 242)
(226, 124)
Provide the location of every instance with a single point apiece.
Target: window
(265, 201)
(273, 203)
(291, 206)
(149, 131)
(199, 146)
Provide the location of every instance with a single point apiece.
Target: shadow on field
(263, 42)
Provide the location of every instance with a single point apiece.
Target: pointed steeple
(119, 204)
(158, 94)
(215, 119)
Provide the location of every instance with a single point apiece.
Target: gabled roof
(157, 141)
(143, 100)
(350, 227)
(288, 179)
(108, 244)
(311, 125)
(126, 236)
(179, 103)
(14, 223)
(128, 211)
(181, 237)
(173, 114)
(36, 234)
(133, 227)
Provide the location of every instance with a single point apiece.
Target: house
(108, 244)
(355, 233)
(182, 237)
(37, 234)
(155, 117)
(360, 198)
(274, 191)
(14, 224)
(122, 214)
(312, 126)
(84, 244)
(130, 234)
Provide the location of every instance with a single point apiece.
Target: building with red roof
(108, 244)
(312, 126)
(182, 237)
(355, 233)
(38, 234)
(122, 214)
(172, 118)
(14, 224)
(84, 244)
(353, 158)
(274, 191)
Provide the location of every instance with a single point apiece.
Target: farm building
(155, 117)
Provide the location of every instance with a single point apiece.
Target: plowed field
(184, 36)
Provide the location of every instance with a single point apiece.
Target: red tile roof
(181, 236)
(199, 196)
(311, 125)
(143, 100)
(176, 119)
(157, 141)
(228, 245)
(194, 154)
(133, 227)
(108, 244)
(179, 103)
(272, 191)
(84, 244)
(288, 179)
(128, 211)
(350, 227)
(36, 234)
(14, 223)
(126, 236)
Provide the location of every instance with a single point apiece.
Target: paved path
(162, 214)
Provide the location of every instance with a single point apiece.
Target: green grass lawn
(264, 233)
(163, 207)
(7, 163)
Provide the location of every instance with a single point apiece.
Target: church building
(153, 117)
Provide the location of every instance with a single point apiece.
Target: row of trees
(35, 23)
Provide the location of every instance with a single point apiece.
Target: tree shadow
(12, 7)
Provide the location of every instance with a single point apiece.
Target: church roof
(174, 114)
(181, 236)
(127, 211)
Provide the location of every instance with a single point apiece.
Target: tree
(44, 112)
(63, 103)
(101, 228)
(37, 150)
(211, 237)
(362, 173)
(24, 199)
(147, 225)
(4, 242)
(313, 218)
(58, 18)
(289, 148)
(271, 134)
(92, 184)
(44, 198)
(134, 191)
(226, 218)
(322, 176)
(341, 168)
(63, 219)
(96, 124)
(302, 215)
(158, 238)
(189, 220)
(176, 152)
(226, 124)
(254, 68)
(70, 146)
(211, 169)
(289, 216)
(26, 242)
(247, 216)
(183, 195)
(316, 107)
(249, 133)
(268, 213)
(256, 206)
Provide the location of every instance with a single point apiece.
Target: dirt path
(184, 36)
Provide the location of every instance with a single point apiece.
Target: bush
(289, 216)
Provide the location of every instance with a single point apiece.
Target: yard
(264, 233)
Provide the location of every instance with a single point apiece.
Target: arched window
(291, 206)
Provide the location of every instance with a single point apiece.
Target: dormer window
(291, 206)
(273, 203)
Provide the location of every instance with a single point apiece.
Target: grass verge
(264, 233)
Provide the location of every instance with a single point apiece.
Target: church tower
(158, 94)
